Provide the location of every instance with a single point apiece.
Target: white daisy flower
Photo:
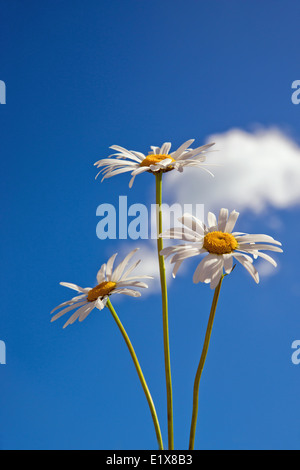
(220, 244)
(158, 160)
(109, 282)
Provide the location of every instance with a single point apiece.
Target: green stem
(163, 282)
(140, 374)
(202, 363)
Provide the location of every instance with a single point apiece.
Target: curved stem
(140, 374)
(202, 363)
(163, 282)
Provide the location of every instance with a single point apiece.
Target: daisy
(109, 282)
(221, 245)
(159, 159)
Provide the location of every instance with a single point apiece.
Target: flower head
(109, 282)
(159, 159)
(220, 244)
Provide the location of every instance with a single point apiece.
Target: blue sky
(82, 76)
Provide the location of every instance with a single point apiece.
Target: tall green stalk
(163, 281)
(140, 374)
(202, 363)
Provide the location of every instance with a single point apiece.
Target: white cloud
(266, 269)
(257, 170)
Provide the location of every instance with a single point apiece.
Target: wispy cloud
(257, 170)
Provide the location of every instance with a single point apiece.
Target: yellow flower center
(153, 159)
(104, 288)
(219, 243)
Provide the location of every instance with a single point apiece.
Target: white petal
(192, 223)
(186, 253)
(168, 250)
(245, 255)
(176, 267)
(178, 167)
(165, 149)
(136, 172)
(249, 266)
(181, 149)
(195, 164)
(120, 268)
(183, 233)
(139, 155)
(71, 320)
(136, 278)
(131, 182)
(84, 314)
(132, 284)
(222, 220)
(109, 266)
(130, 292)
(125, 152)
(212, 220)
(250, 247)
(266, 257)
(254, 238)
(228, 262)
(101, 274)
(68, 309)
(198, 151)
(231, 221)
(77, 314)
(129, 270)
(216, 277)
(84, 290)
(72, 301)
(182, 250)
(205, 268)
(163, 164)
(155, 150)
(114, 162)
(86, 308)
(115, 172)
(155, 167)
(100, 303)
(140, 170)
